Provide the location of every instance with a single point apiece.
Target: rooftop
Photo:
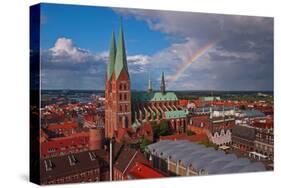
(202, 158)
(154, 96)
(57, 167)
(142, 171)
(175, 114)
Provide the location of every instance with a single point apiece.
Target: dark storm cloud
(242, 58)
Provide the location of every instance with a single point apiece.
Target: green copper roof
(175, 114)
(111, 59)
(121, 59)
(154, 96)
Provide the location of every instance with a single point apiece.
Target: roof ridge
(130, 162)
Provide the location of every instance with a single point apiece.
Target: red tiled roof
(142, 171)
(183, 102)
(65, 143)
(64, 125)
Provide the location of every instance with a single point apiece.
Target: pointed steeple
(149, 89)
(121, 59)
(162, 86)
(112, 55)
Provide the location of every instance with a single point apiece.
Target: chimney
(111, 145)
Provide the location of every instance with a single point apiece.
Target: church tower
(108, 88)
(162, 85)
(149, 88)
(118, 88)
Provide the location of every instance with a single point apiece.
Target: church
(128, 111)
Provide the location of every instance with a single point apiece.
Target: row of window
(51, 150)
(123, 108)
(123, 86)
(89, 175)
(264, 147)
(123, 96)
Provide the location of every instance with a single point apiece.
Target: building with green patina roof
(154, 97)
(176, 114)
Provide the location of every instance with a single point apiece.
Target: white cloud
(65, 51)
(138, 59)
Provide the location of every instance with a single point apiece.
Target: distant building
(218, 129)
(257, 142)
(243, 138)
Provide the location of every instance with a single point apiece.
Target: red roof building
(64, 145)
(143, 171)
(65, 128)
(91, 139)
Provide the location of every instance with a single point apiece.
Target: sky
(196, 51)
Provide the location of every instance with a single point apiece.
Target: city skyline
(196, 51)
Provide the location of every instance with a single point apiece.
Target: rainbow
(193, 58)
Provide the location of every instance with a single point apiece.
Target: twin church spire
(117, 57)
(118, 61)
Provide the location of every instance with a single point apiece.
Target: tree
(156, 131)
(143, 144)
(161, 129)
(164, 128)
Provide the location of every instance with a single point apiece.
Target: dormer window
(72, 160)
(92, 156)
(48, 165)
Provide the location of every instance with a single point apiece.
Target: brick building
(129, 111)
(117, 89)
(89, 139)
(243, 138)
(218, 129)
(125, 158)
(72, 168)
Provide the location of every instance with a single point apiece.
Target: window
(120, 87)
(120, 96)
